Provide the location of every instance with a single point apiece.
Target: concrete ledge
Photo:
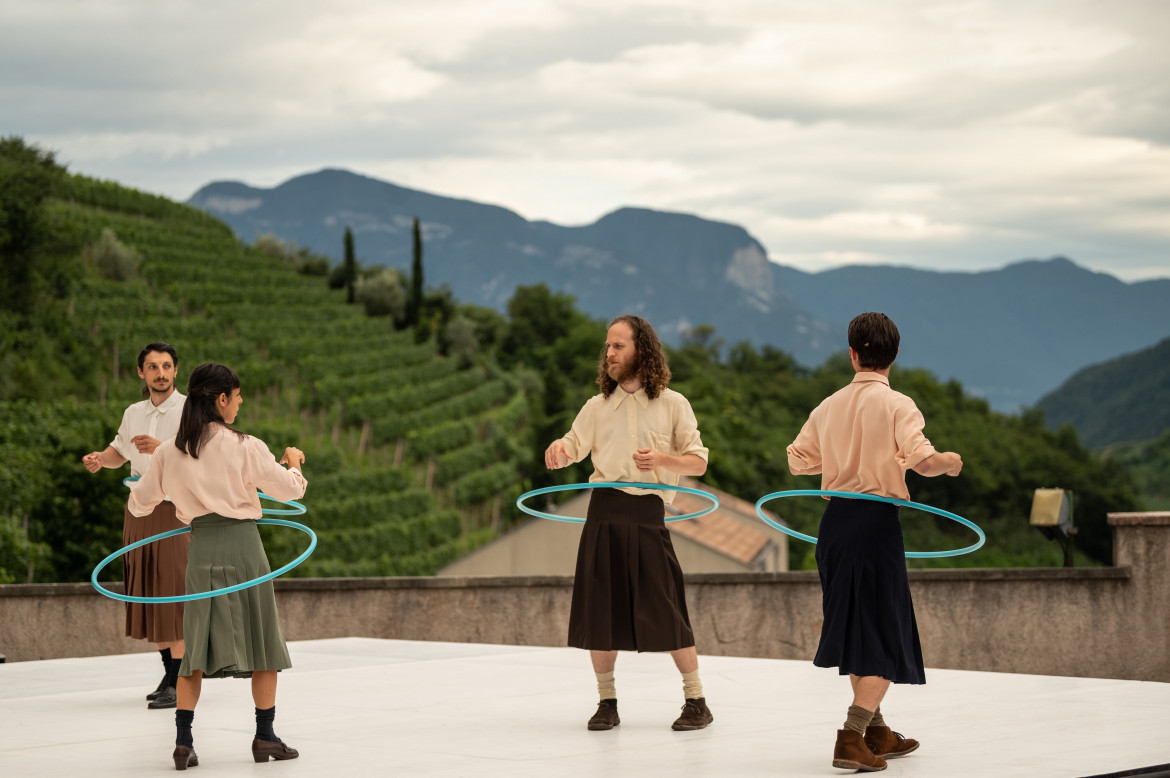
(1084, 622)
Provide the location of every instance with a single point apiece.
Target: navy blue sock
(173, 671)
(183, 721)
(165, 653)
(264, 719)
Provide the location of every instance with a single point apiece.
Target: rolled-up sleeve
(121, 442)
(579, 439)
(804, 453)
(271, 477)
(148, 491)
(913, 445)
(686, 439)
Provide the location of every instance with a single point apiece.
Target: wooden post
(399, 452)
(367, 430)
(430, 472)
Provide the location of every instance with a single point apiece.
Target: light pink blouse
(224, 479)
(862, 438)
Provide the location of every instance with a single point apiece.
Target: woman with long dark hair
(212, 473)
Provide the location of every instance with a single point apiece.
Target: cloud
(949, 133)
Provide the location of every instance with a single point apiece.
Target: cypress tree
(415, 301)
(350, 273)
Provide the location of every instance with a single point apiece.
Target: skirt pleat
(628, 590)
(232, 634)
(157, 569)
(869, 626)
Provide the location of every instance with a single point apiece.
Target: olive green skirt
(233, 634)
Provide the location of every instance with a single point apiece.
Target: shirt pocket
(660, 442)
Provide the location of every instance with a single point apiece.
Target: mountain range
(1009, 335)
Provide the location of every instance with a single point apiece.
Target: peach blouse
(862, 438)
(224, 479)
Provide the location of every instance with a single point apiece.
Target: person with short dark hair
(863, 439)
(213, 473)
(157, 569)
(628, 591)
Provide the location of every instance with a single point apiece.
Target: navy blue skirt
(869, 626)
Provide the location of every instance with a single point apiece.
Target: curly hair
(652, 367)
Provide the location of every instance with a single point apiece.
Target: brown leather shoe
(185, 757)
(851, 753)
(606, 716)
(887, 743)
(262, 749)
(695, 715)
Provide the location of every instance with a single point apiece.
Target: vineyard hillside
(413, 457)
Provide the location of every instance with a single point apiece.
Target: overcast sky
(947, 135)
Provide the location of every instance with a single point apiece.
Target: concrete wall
(1106, 622)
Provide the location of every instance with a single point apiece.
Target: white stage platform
(363, 707)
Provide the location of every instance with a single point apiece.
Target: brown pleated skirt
(157, 569)
(628, 590)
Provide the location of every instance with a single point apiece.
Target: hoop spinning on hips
(214, 592)
(617, 485)
(876, 498)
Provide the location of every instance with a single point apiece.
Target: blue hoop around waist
(876, 498)
(93, 578)
(612, 485)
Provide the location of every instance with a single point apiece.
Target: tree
(415, 301)
(381, 293)
(27, 177)
(350, 266)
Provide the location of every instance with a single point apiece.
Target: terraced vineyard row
(409, 456)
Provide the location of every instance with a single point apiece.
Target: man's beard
(621, 373)
(154, 387)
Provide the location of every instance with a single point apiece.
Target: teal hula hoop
(294, 508)
(616, 485)
(876, 498)
(201, 595)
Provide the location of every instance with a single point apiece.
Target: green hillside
(1149, 462)
(418, 437)
(1122, 400)
(412, 457)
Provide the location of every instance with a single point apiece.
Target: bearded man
(628, 591)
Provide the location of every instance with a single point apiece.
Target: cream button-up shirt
(160, 422)
(611, 429)
(862, 438)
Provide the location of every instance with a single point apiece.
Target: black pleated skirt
(628, 590)
(869, 626)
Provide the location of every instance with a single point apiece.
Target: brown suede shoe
(851, 753)
(695, 715)
(262, 749)
(606, 716)
(887, 743)
(184, 757)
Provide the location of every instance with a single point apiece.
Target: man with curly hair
(628, 590)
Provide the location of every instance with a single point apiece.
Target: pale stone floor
(363, 707)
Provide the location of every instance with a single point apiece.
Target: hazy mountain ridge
(1119, 401)
(1009, 334)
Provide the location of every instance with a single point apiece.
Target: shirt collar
(869, 375)
(620, 395)
(166, 404)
